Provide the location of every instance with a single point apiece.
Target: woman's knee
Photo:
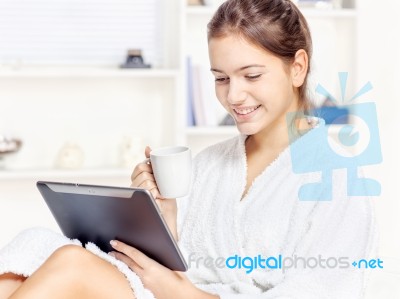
(80, 268)
(72, 255)
(71, 259)
(68, 264)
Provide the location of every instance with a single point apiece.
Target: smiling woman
(257, 95)
(245, 195)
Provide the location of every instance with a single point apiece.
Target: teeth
(246, 111)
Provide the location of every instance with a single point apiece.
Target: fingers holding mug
(146, 181)
(166, 172)
(147, 151)
(144, 166)
(142, 176)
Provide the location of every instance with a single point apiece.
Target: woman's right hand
(143, 177)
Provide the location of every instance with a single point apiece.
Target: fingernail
(111, 253)
(113, 243)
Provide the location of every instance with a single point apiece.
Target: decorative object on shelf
(348, 4)
(195, 2)
(131, 151)
(134, 60)
(8, 146)
(70, 156)
(338, 4)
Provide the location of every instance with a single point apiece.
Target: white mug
(172, 168)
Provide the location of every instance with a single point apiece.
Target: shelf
(214, 131)
(329, 13)
(308, 12)
(69, 174)
(97, 72)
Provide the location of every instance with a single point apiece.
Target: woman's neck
(275, 137)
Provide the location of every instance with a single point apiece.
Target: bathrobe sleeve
(342, 228)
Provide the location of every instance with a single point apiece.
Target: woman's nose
(236, 94)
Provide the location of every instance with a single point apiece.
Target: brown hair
(276, 25)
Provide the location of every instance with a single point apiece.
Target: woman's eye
(221, 80)
(253, 77)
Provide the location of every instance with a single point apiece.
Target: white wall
(379, 62)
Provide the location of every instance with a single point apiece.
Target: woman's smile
(245, 113)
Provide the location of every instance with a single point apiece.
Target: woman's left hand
(163, 282)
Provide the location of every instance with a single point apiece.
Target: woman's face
(253, 85)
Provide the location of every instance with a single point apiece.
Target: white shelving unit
(330, 13)
(49, 174)
(195, 19)
(93, 106)
(86, 72)
(308, 12)
(96, 106)
(146, 102)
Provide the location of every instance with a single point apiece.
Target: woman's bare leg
(9, 283)
(73, 272)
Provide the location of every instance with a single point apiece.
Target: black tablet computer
(99, 214)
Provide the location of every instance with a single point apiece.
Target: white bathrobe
(271, 221)
(214, 224)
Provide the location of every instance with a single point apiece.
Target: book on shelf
(190, 118)
(203, 108)
(198, 107)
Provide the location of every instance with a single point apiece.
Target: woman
(244, 202)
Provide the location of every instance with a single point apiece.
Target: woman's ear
(299, 68)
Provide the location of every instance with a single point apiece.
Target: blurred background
(86, 85)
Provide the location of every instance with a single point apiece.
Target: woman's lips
(245, 113)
